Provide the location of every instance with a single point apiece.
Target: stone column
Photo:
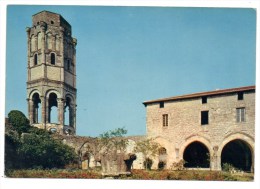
(47, 111)
(30, 108)
(43, 110)
(215, 160)
(74, 61)
(61, 111)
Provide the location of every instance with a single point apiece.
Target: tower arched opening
(68, 112)
(36, 107)
(196, 155)
(53, 108)
(238, 154)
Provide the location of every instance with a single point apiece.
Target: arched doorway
(196, 155)
(238, 154)
(36, 107)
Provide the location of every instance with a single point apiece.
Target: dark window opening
(52, 58)
(52, 22)
(165, 120)
(161, 104)
(38, 23)
(240, 96)
(241, 114)
(35, 59)
(204, 100)
(68, 65)
(204, 117)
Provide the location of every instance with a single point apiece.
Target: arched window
(35, 60)
(52, 58)
(68, 65)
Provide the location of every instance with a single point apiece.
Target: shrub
(178, 165)
(228, 167)
(18, 121)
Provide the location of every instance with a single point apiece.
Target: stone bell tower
(51, 66)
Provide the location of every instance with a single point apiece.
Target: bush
(18, 121)
(30, 147)
(228, 167)
(42, 150)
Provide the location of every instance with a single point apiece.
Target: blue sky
(128, 55)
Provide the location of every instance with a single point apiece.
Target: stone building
(51, 82)
(205, 129)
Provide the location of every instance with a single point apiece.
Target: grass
(136, 175)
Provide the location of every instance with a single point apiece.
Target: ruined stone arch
(238, 150)
(166, 159)
(196, 151)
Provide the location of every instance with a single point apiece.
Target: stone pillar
(72, 116)
(215, 160)
(47, 111)
(61, 111)
(43, 111)
(30, 108)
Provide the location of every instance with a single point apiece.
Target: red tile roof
(201, 94)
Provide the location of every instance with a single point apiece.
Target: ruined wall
(84, 143)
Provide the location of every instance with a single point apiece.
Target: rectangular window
(241, 112)
(161, 104)
(204, 117)
(240, 96)
(165, 120)
(204, 100)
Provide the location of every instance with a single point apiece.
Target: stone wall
(184, 124)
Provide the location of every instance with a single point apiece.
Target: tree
(30, 147)
(18, 121)
(149, 148)
(41, 150)
(113, 140)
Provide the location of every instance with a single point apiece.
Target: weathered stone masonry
(224, 132)
(51, 82)
(205, 129)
